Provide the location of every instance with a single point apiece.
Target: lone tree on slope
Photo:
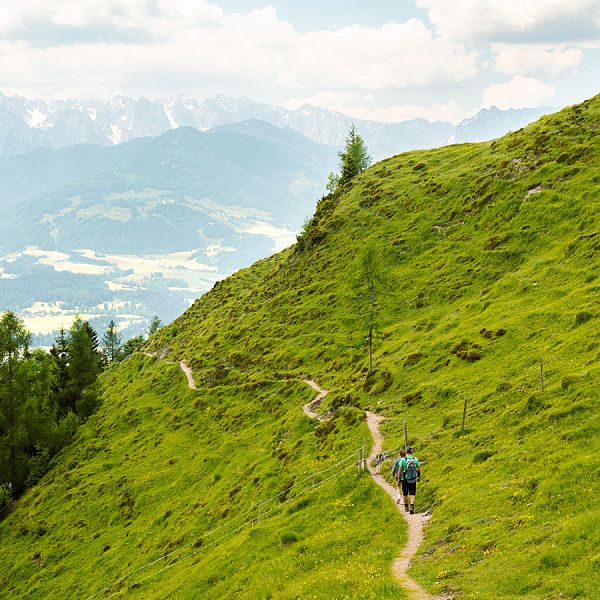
(354, 159)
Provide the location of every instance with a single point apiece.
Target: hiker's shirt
(403, 464)
(397, 469)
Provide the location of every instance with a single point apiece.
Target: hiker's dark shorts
(409, 489)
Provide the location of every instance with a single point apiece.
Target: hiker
(411, 473)
(397, 474)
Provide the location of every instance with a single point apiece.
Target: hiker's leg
(413, 493)
(405, 494)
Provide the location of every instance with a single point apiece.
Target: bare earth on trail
(307, 408)
(415, 522)
(186, 370)
(188, 374)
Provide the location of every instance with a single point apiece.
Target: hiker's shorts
(409, 489)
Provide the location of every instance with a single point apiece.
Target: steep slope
(491, 256)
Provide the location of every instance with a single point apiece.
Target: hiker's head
(409, 450)
(402, 453)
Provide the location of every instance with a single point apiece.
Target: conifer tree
(60, 354)
(354, 159)
(111, 342)
(155, 325)
(83, 364)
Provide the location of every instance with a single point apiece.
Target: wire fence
(259, 514)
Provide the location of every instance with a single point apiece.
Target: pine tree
(354, 159)
(83, 367)
(111, 342)
(60, 354)
(131, 345)
(370, 290)
(155, 325)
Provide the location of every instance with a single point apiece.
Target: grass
(492, 251)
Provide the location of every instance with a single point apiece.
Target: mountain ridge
(31, 123)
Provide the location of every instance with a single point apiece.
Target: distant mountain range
(146, 226)
(28, 124)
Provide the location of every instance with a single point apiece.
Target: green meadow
(488, 263)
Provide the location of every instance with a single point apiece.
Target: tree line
(44, 395)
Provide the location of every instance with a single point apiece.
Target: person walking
(397, 474)
(410, 470)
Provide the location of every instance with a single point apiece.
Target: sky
(386, 60)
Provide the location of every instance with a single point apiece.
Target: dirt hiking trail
(415, 522)
(315, 402)
(186, 370)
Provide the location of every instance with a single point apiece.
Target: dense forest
(45, 395)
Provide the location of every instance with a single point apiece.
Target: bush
(38, 466)
(582, 317)
(288, 537)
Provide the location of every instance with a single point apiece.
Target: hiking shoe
(412, 510)
(398, 501)
(406, 507)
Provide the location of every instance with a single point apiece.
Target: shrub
(412, 359)
(483, 455)
(582, 317)
(467, 351)
(288, 537)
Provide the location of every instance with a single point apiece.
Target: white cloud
(519, 92)
(179, 41)
(521, 59)
(512, 20)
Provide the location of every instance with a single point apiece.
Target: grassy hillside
(491, 258)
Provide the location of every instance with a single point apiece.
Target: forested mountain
(195, 206)
(474, 266)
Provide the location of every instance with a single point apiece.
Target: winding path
(315, 402)
(186, 370)
(415, 522)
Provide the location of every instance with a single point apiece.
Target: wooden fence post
(359, 459)
(405, 436)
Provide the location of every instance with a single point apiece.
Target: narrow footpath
(186, 370)
(415, 522)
